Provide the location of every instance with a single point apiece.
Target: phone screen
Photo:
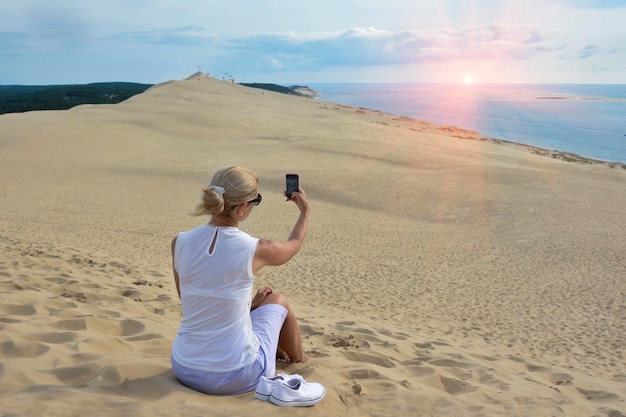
(292, 184)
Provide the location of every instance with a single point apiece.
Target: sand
(444, 274)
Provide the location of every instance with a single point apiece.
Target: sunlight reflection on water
(584, 119)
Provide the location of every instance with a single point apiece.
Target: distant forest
(273, 87)
(21, 98)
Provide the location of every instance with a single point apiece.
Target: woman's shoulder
(240, 234)
(203, 229)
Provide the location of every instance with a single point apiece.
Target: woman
(228, 339)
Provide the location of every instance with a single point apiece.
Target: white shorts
(267, 321)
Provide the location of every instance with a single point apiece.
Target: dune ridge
(443, 274)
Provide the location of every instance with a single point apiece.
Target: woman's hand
(299, 198)
(260, 296)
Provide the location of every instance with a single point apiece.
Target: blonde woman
(228, 339)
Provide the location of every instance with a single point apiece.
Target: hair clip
(217, 188)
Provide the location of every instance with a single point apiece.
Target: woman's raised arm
(274, 253)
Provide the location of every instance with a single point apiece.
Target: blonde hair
(229, 187)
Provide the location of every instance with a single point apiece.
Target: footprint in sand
(593, 395)
(55, 338)
(71, 324)
(561, 379)
(73, 375)
(307, 330)
(379, 360)
(537, 368)
(363, 374)
(415, 369)
(58, 305)
(455, 386)
(12, 349)
(19, 309)
(487, 378)
(451, 363)
(78, 296)
(397, 336)
(130, 327)
(127, 327)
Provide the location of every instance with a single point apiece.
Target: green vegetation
(296, 90)
(19, 98)
(270, 87)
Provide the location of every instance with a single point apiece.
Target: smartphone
(292, 184)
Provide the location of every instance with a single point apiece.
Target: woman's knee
(275, 298)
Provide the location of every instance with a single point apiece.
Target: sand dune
(444, 274)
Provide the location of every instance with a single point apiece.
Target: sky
(289, 42)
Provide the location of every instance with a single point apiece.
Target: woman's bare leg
(281, 355)
(290, 340)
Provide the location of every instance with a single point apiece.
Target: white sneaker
(297, 393)
(266, 385)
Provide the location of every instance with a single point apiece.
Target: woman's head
(229, 187)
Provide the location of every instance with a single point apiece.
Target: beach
(444, 273)
(585, 119)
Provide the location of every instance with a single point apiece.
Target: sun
(468, 79)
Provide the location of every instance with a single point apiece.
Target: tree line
(20, 98)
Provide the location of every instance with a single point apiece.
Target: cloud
(583, 53)
(48, 28)
(13, 43)
(177, 36)
(596, 69)
(587, 51)
(286, 52)
(357, 47)
(371, 46)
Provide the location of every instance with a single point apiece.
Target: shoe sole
(262, 397)
(297, 403)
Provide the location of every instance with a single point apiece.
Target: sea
(586, 119)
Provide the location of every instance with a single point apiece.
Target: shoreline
(537, 92)
(537, 150)
(557, 154)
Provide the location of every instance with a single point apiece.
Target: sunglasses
(257, 200)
